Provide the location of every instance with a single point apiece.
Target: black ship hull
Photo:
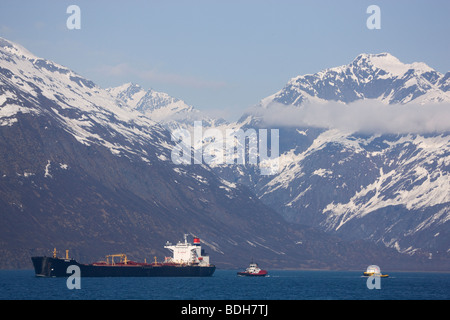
(56, 267)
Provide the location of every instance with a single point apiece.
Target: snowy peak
(389, 63)
(17, 55)
(31, 85)
(129, 93)
(369, 76)
(159, 106)
(170, 112)
(12, 48)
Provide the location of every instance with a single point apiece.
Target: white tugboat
(374, 270)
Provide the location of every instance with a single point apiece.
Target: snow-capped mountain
(158, 106)
(35, 86)
(387, 187)
(170, 112)
(370, 76)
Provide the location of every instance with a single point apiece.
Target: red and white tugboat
(253, 271)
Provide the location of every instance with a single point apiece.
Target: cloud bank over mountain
(365, 116)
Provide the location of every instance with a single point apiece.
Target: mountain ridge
(366, 78)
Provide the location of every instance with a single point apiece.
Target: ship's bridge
(187, 253)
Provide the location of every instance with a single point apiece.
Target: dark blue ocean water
(226, 285)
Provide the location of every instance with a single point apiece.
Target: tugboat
(189, 260)
(253, 271)
(374, 270)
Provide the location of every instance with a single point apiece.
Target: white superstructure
(253, 268)
(187, 253)
(373, 269)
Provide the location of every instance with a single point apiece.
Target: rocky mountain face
(390, 189)
(90, 170)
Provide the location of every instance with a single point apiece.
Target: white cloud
(366, 116)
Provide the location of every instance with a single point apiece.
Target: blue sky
(223, 56)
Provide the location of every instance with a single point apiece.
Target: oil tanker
(188, 260)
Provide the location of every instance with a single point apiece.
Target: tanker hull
(56, 267)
